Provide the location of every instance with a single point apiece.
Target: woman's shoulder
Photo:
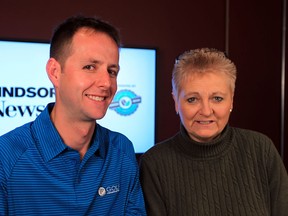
(162, 149)
(251, 139)
(249, 134)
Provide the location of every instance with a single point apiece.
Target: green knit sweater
(239, 173)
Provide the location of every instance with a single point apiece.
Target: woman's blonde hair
(201, 61)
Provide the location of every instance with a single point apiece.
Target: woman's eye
(191, 100)
(218, 99)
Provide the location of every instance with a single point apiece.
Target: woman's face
(204, 103)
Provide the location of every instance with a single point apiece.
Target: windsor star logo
(125, 102)
(17, 101)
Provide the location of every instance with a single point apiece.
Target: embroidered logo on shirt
(102, 191)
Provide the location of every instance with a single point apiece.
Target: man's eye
(218, 99)
(113, 73)
(191, 100)
(89, 67)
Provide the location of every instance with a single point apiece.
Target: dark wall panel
(285, 82)
(255, 46)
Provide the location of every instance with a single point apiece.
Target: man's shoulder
(13, 145)
(16, 141)
(116, 140)
(112, 136)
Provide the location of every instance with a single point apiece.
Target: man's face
(87, 82)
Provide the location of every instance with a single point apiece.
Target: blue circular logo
(125, 102)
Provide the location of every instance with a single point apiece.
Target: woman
(208, 167)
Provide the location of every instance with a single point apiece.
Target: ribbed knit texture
(239, 173)
(40, 175)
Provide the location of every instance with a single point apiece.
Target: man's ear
(53, 70)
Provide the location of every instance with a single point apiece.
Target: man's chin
(100, 116)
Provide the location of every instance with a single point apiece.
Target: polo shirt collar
(49, 142)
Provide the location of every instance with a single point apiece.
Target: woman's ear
(175, 103)
(53, 70)
(231, 107)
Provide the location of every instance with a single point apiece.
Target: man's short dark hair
(62, 38)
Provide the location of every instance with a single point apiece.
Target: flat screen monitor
(25, 90)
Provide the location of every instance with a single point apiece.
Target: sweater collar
(214, 148)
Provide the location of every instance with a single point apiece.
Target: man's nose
(104, 79)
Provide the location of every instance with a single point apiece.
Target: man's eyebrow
(95, 61)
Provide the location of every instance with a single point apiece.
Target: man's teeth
(96, 98)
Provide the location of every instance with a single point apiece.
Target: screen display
(25, 90)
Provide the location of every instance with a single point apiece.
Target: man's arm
(136, 204)
(3, 193)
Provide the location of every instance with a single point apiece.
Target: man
(64, 163)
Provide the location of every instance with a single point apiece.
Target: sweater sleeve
(155, 205)
(278, 183)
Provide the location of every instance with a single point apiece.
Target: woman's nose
(206, 109)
